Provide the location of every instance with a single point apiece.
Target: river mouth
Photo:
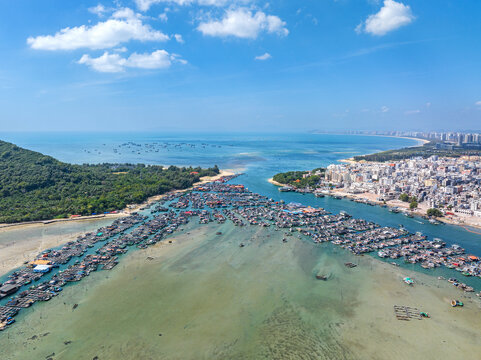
(205, 297)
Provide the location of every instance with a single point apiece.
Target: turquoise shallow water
(259, 156)
(207, 297)
(211, 301)
(204, 297)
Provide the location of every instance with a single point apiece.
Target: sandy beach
(420, 142)
(134, 208)
(273, 182)
(22, 242)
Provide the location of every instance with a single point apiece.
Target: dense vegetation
(424, 151)
(406, 198)
(434, 212)
(34, 186)
(297, 179)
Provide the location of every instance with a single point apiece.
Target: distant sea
(267, 153)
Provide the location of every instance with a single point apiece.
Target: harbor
(259, 254)
(203, 294)
(46, 275)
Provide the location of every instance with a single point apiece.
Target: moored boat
(455, 303)
(324, 277)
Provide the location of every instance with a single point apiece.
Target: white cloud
(265, 56)
(390, 17)
(384, 109)
(478, 103)
(114, 63)
(105, 63)
(123, 26)
(243, 23)
(157, 60)
(98, 10)
(163, 17)
(179, 38)
(145, 5)
(428, 105)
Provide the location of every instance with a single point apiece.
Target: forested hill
(34, 186)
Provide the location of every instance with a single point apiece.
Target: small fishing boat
(323, 277)
(455, 303)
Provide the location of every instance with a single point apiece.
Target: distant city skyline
(240, 65)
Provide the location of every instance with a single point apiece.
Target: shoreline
(14, 253)
(121, 213)
(421, 142)
(193, 267)
(53, 221)
(458, 221)
(455, 220)
(152, 199)
(419, 212)
(273, 182)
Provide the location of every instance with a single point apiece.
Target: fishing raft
(407, 313)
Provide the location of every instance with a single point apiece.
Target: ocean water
(258, 156)
(204, 297)
(269, 153)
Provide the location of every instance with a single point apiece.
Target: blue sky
(240, 65)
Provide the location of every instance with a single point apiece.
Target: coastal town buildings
(455, 137)
(450, 184)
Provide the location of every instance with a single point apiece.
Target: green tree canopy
(34, 186)
(434, 212)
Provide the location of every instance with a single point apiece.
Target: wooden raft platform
(406, 313)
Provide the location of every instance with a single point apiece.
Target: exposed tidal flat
(24, 242)
(204, 297)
